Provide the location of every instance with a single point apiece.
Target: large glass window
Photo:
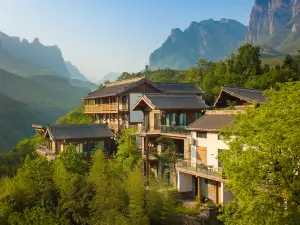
(183, 120)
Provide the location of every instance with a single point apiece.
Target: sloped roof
(172, 101)
(108, 91)
(119, 87)
(247, 94)
(212, 122)
(178, 88)
(79, 131)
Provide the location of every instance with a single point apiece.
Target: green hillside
(83, 84)
(36, 99)
(51, 95)
(16, 119)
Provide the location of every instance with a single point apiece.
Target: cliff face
(49, 57)
(183, 49)
(278, 20)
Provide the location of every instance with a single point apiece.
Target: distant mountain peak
(25, 41)
(36, 41)
(35, 53)
(275, 23)
(182, 49)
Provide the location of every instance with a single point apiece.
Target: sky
(102, 36)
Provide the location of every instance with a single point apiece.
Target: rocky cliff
(208, 39)
(275, 23)
(48, 57)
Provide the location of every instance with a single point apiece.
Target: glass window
(197, 115)
(201, 134)
(124, 99)
(85, 149)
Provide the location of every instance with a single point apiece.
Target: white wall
(185, 182)
(212, 144)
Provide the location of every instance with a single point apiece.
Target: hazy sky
(101, 36)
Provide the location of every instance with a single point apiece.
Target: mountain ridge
(48, 57)
(183, 48)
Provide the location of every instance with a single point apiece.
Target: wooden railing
(123, 107)
(100, 108)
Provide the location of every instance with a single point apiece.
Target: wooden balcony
(123, 107)
(102, 108)
(202, 170)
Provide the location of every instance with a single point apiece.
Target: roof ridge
(250, 89)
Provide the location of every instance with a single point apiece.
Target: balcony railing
(200, 168)
(164, 129)
(100, 108)
(123, 107)
(174, 129)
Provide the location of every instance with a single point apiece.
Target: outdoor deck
(200, 170)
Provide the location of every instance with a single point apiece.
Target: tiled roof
(211, 122)
(79, 131)
(108, 91)
(175, 101)
(247, 94)
(177, 88)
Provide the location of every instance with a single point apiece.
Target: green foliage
(128, 153)
(68, 190)
(263, 161)
(187, 211)
(76, 116)
(13, 159)
(73, 161)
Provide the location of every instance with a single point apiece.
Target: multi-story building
(113, 104)
(201, 175)
(167, 115)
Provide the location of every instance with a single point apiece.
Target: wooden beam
(199, 189)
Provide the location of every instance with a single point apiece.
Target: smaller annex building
(85, 137)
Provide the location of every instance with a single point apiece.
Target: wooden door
(201, 155)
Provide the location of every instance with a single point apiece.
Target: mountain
(74, 72)
(19, 66)
(77, 79)
(87, 85)
(50, 95)
(15, 121)
(112, 76)
(47, 57)
(208, 39)
(276, 24)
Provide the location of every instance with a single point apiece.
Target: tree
(168, 156)
(248, 60)
(288, 62)
(128, 153)
(262, 165)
